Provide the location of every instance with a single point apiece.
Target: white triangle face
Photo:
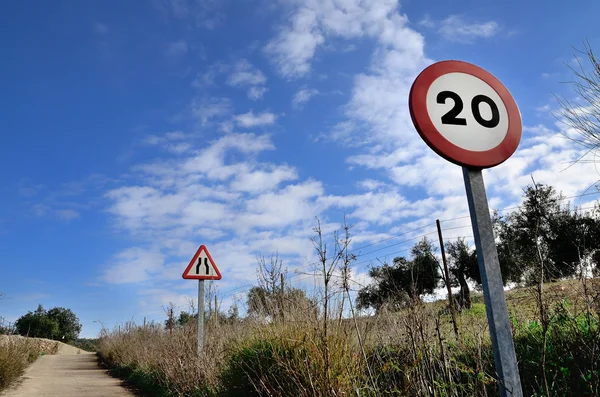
(202, 266)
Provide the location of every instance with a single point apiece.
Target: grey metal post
(200, 316)
(491, 281)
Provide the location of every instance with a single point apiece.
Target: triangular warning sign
(202, 267)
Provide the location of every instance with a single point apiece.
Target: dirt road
(67, 375)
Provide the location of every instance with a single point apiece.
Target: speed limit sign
(465, 114)
(468, 117)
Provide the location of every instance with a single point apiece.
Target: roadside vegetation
(85, 344)
(16, 353)
(382, 339)
(413, 352)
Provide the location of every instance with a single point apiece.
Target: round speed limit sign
(465, 114)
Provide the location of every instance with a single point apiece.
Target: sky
(133, 132)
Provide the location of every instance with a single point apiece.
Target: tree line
(543, 239)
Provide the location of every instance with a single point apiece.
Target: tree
(68, 323)
(38, 324)
(544, 239)
(525, 235)
(574, 239)
(389, 288)
(582, 118)
(462, 263)
(402, 283)
(185, 318)
(425, 275)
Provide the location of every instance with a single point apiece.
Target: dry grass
(414, 352)
(15, 355)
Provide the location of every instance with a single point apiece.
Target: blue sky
(133, 132)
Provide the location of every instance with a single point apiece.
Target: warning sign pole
(200, 316)
(201, 267)
(491, 281)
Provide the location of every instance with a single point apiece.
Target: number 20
(450, 117)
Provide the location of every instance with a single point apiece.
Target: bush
(249, 364)
(572, 354)
(15, 355)
(285, 365)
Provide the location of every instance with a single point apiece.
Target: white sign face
(467, 111)
(203, 266)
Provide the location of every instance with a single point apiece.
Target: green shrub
(572, 354)
(287, 366)
(261, 367)
(476, 310)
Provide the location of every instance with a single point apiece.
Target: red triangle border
(185, 274)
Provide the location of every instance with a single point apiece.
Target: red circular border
(418, 112)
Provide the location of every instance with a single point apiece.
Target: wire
(395, 244)
(390, 238)
(519, 206)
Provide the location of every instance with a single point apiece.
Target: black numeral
(491, 123)
(450, 117)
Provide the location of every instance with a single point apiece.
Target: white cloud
(171, 141)
(295, 45)
(426, 22)
(244, 74)
(311, 21)
(543, 109)
(177, 49)
(539, 129)
(207, 109)
(132, 265)
(249, 120)
(241, 74)
(456, 28)
(371, 184)
(172, 136)
(303, 96)
(261, 180)
(207, 196)
(207, 79)
(257, 92)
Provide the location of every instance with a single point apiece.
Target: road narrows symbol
(206, 264)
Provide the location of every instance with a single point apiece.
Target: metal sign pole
(200, 316)
(491, 281)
